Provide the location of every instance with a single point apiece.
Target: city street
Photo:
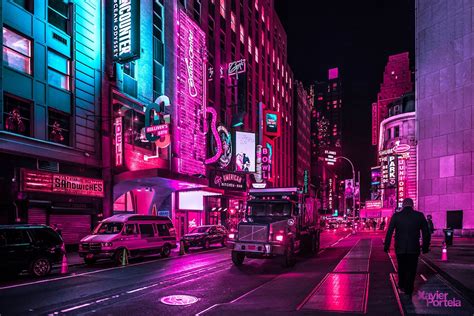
(350, 274)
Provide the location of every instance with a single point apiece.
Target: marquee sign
(118, 127)
(39, 181)
(125, 30)
(228, 180)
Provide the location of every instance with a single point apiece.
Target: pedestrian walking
(431, 228)
(374, 224)
(382, 225)
(407, 225)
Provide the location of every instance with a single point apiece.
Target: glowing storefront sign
(38, 181)
(245, 152)
(118, 126)
(267, 154)
(373, 204)
(125, 30)
(236, 67)
(330, 157)
(228, 180)
(330, 197)
(190, 137)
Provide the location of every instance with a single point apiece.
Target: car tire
(40, 267)
(206, 244)
(238, 258)
(223, 243)
(166, 251)
(119, 257)
(186, 248)
(89, 261)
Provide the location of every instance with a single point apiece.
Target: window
(17, 115)
(396, 132)
(46, 236)
(59, 125)
(58, 14)
(129, 69)
(58, 70)
(146, 230)
(130, 229)
(389, 134)
(163, 229)
(28, 5)
(16, 51)
(14, 237)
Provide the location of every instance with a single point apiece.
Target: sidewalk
(459, 268)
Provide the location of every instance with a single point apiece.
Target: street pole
(353, 183)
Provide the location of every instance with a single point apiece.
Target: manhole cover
(179, 300)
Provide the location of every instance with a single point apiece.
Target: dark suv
(29, 247)
(204, 236)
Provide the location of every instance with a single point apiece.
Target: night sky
(357, 37)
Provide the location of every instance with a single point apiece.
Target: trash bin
(448, 236)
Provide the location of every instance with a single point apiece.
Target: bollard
(444, 252)
(182, 252)
(124, 257)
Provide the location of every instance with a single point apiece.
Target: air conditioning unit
(45, 165)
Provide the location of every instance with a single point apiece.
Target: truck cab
(279, 222)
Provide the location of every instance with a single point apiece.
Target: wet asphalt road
(137, 288)
(260, 287)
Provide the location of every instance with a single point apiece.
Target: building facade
(396, 82)
(445, 113)
(397, 153)
(304, 100)
(50, 90)
(326, 134)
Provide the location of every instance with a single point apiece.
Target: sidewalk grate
(340, 292)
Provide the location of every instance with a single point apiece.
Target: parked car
(29, 247)
(125, 236)
(204, 236)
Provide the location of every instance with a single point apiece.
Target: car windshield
(108, 228)
(197, 230)
(269, 209)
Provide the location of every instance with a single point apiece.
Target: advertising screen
(271, 123)
(244, 151)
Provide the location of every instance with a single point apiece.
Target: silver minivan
(125, 236)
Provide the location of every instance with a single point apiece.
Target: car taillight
(231, 235)
(279, 237)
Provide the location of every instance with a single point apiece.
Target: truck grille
(253, 233)
(91, 246)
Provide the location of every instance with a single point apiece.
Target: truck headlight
(231, 236)
(279, 237)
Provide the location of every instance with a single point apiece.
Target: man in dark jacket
(431, 228)
(407, 225)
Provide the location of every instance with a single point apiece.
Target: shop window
(16, 51)
(17, 115)
(129, 69)
(396, 131)
(134, 123)
(59, 125)
(28, 5)
(163, 230)
(58, 70)
(147, 230)
(58, 14)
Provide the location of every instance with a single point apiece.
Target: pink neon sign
(190, 108)
(216, 136)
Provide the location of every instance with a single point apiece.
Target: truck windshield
(108, 228)
(269, 209)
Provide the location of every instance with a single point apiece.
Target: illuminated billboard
(245, 152)
(125, 30)
(190, 108)
(271, 123)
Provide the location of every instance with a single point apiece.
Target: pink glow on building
(190, 106)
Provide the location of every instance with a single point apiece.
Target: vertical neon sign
(118, 126)
(190, 109)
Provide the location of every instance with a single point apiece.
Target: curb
(465, 291)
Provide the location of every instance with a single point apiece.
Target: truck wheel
(206, 244)
(238, 258)
(288, 259)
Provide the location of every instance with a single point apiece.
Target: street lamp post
(353, 182)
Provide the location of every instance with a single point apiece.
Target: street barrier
(182, 252)
(444, 253)
(124, 257)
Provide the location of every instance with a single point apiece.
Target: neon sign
(125, 30)
(118, 126)
(190, 126)
(215, 134)
(226, 141)
(236, 67)
(266, 156)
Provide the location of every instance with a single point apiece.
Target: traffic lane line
(266, 283)
(100, 271)
(204, 273)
